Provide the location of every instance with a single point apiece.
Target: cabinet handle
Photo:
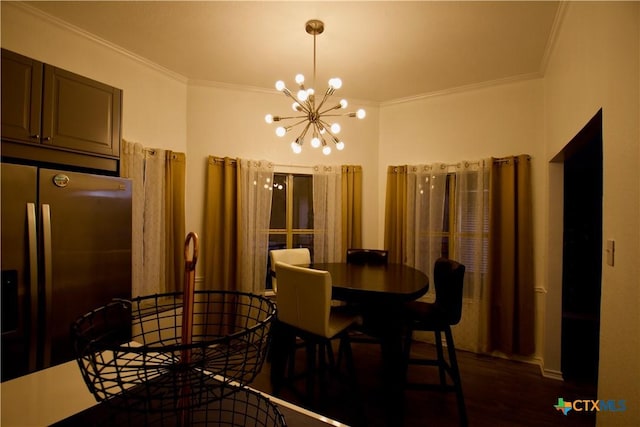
(46, 138)
(36, 136)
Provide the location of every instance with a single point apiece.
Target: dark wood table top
(391, 283)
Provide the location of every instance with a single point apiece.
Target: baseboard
(552, 374)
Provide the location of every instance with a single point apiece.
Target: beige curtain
(511, 281)
(221, 233)
(158, 178)
(256, 189)
(396, 213)
(175, 167)
(328, 214)
(351, 207)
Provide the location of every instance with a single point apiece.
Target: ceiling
(382, 51)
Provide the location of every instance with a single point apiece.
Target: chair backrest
(367, 256)
(448, 276)
(304, 298)
(289, 256)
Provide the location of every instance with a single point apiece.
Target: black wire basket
(132, 354)
(244, 407)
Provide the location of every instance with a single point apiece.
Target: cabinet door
(80, 114)
(21, 97)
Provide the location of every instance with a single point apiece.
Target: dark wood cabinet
(76, 120)
(21, 97)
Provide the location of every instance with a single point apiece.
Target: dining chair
(289, 256)
(304, 306)
(438, 317)
(367, 256)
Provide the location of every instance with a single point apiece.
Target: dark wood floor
(497, 392)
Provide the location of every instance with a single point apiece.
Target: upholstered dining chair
(439, 317)
(304, 306)
(367, 256)
(289, 256)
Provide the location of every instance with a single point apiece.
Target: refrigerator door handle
(33, 283)
(48, 281)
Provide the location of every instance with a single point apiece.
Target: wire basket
(242, 408)
(132, 354)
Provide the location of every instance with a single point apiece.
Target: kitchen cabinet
(53, 115)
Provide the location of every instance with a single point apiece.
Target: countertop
(59, 393)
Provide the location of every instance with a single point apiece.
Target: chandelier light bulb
(299, 79)
(296, 106)
(296, 147)
(361, 114)
(343, 103)
(268, 118)
(335, 128)
(315, 142)
(340, 145)
(280, 85)
(335, 83)
(326, 150)
(302, 95)
(280, 131)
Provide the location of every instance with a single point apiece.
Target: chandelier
(314, 114)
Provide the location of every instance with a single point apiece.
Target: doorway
(582, 254)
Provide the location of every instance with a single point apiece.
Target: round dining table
(379, 292)
(374, 284)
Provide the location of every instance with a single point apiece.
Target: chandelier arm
(338, 115)
(301, 104)
(305, 130)
(324, 98)
(331, 109)
(280, 118)
(326, 129)
(297, 123)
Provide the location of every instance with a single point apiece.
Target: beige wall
(595, 64)
(154, 101)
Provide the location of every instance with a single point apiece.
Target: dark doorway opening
(582, 254)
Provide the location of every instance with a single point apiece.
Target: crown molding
(553, 35)
(95, 39)
(465, 88)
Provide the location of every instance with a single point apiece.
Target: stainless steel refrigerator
(66, 249)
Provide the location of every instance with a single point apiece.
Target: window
(291, 213)
(466, 221)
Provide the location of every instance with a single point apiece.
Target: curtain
(396, 213)
(337, 211)
(237, 214)
(327, 214)
(221, 234)
(511, 328)
(470, 247)
(158, 178)
(256, 188)
(351, 178)
(442, 210)
(175, 167)
(426, 187)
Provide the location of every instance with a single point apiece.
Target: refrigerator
(66, 250)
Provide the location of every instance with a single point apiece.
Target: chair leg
(455, 374)
(441, 361)
(311, 363)
(407, 351)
